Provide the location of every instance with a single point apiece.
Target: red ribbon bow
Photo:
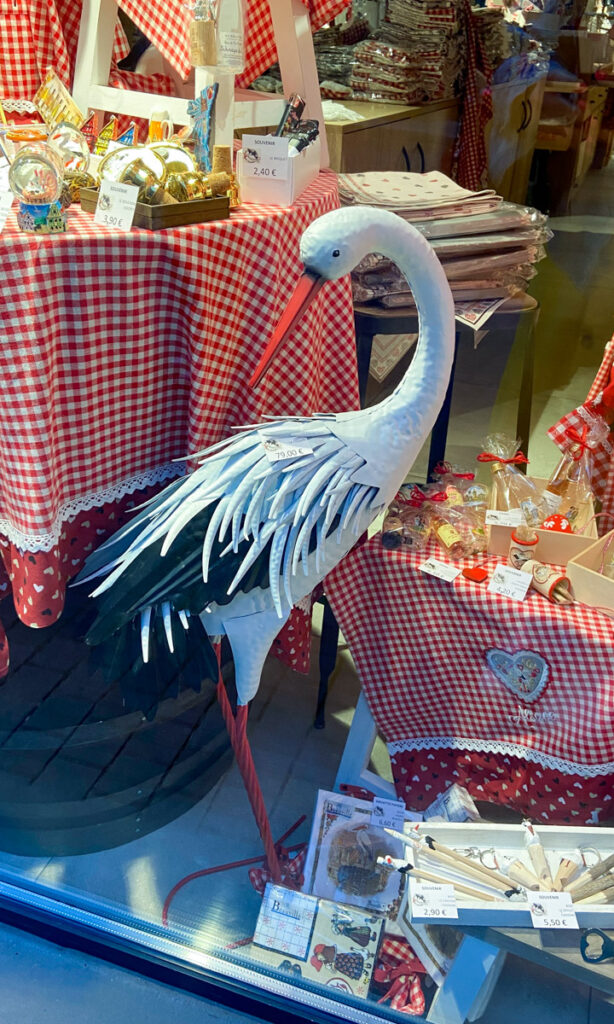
(517, 460)
(398, 968)
(447, 469)
(580, 440)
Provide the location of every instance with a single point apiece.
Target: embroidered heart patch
(524, 673)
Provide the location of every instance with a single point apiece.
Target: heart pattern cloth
(524, 673)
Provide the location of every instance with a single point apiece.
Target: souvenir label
(6, 201)
(497, 517)
(509, 582)
(553, 501)
(279, 451)
(265, 156)
(230, 49)
(388, 813)
(552, 910)
(116, 205)
(432, 900)
(441, 570)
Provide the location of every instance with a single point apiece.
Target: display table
(541, 744)
(123, 352)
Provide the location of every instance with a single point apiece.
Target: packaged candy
(569, 489)
(511, 488)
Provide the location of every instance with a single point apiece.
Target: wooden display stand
(239, 108)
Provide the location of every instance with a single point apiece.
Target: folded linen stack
(384, 72)
(488, 248)
(433, 34)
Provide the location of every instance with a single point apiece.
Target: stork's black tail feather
(145, 684)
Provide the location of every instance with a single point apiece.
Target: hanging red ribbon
(517, 460)
(578, 439)
(447, 469)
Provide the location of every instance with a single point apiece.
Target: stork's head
(330, 248)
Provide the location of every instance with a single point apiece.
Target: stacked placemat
(488, 248)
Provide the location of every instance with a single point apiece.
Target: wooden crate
(589, 585)
(553, 548)
(154, 218)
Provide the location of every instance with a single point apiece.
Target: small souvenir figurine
(201, 109)
(36, 178)
(108, 134)
(89, 130)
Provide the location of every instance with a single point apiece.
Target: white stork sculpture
(241, 539)
(236, 543)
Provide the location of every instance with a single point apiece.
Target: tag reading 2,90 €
(265, 156)
(432, 900)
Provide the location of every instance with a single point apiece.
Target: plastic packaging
(570, 486)
(511, 488)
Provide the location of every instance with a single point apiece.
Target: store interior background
(574, 289)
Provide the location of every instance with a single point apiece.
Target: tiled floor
(577, 317)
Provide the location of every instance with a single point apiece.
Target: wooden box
(508, 842)
(589, 585)
(154, 218)
(555, 548)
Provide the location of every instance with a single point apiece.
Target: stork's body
(241, 539)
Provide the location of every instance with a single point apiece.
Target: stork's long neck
(402, 421)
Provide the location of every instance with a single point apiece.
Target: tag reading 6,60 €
(509, 582)
(116, 205)
(265, 156)
(552, 910)
(388, 813)
(432, 900)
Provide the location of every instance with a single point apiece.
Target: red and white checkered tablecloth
(420, 647)
(36, 34)
(121, 352)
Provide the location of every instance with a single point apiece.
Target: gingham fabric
(420, 648)
(603, 459)
(471, 160)
(164, 23)
(37, 34)
(121, 352)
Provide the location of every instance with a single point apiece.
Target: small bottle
(448, 537)
(563, 482)
(229, 36)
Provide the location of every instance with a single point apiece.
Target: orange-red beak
(307, 288)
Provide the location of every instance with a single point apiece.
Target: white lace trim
(67, 512)
(585, 771)
(17, 106)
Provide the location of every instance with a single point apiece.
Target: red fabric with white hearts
(126, 351)
(164, 23)
(420, 647)
(603, 460)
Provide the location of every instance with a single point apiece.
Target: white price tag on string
(279, 451)
(509, 582)
(498, 517)
(388, 813)
(441, 570)
(265, 156)
(6, 201)
(116, 205)
(432, 900)
(552, 910)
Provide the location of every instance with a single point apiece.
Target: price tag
(432, 900)
(510, 582)
(388, 813)
(441, 570)
(552, 910)
(265, 156)
(116, 205)
(496, 517)
(278, 451)
(6, 201)
(4, 175)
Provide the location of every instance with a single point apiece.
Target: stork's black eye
(336, 252)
